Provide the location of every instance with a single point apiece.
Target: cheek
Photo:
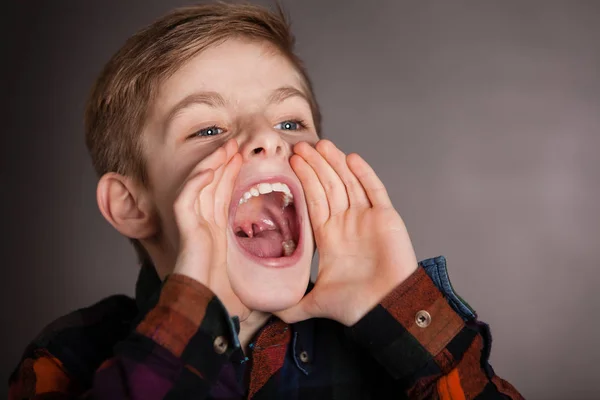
(309, 137)
(167, 228)
(170, 167)
(167, 181)
(164, 192)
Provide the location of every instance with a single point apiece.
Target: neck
(250, 326)
(160, 257)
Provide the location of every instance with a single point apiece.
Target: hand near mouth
(364, 247)
(201, 212)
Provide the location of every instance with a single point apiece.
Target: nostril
(257, 150)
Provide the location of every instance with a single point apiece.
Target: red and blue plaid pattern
(181, 344)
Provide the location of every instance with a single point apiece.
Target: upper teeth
(266, 188)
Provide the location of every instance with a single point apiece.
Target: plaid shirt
(421, 341)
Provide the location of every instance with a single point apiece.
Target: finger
(186, 206)
(369, 180)
(316, 199)
(337, 159)
(331, 182)
(225, 188)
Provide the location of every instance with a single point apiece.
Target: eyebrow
(284, 93)
(211, 99)
(215, 100)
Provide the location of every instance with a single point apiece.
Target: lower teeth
(288, 247)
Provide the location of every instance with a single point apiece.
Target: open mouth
(265, 222)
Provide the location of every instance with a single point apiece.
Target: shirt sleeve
(176, 351)
(430, 342)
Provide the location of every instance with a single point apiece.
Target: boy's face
(247, 91)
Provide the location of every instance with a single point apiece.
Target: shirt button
(423, 319)
(304, 357)
(220, 345)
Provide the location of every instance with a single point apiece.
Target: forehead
(240, 70)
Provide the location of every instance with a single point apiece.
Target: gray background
(483, 119)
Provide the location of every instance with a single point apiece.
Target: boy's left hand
(364, 247)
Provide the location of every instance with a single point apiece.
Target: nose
(264, 143)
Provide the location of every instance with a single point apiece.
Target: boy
(204, 130)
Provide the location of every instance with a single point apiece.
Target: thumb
(304, 310)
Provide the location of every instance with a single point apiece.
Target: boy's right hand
(201, 214)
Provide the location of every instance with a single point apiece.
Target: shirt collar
(148, 283)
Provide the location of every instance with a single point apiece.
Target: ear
(126, 206)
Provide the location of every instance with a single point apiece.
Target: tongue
(262, 226)
(264, 244)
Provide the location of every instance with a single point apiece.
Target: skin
(181, 217)
(364, 247)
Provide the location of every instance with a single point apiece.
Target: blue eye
(292, 125)
(210, 131)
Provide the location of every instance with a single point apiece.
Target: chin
(270, 294)
(269, 288)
